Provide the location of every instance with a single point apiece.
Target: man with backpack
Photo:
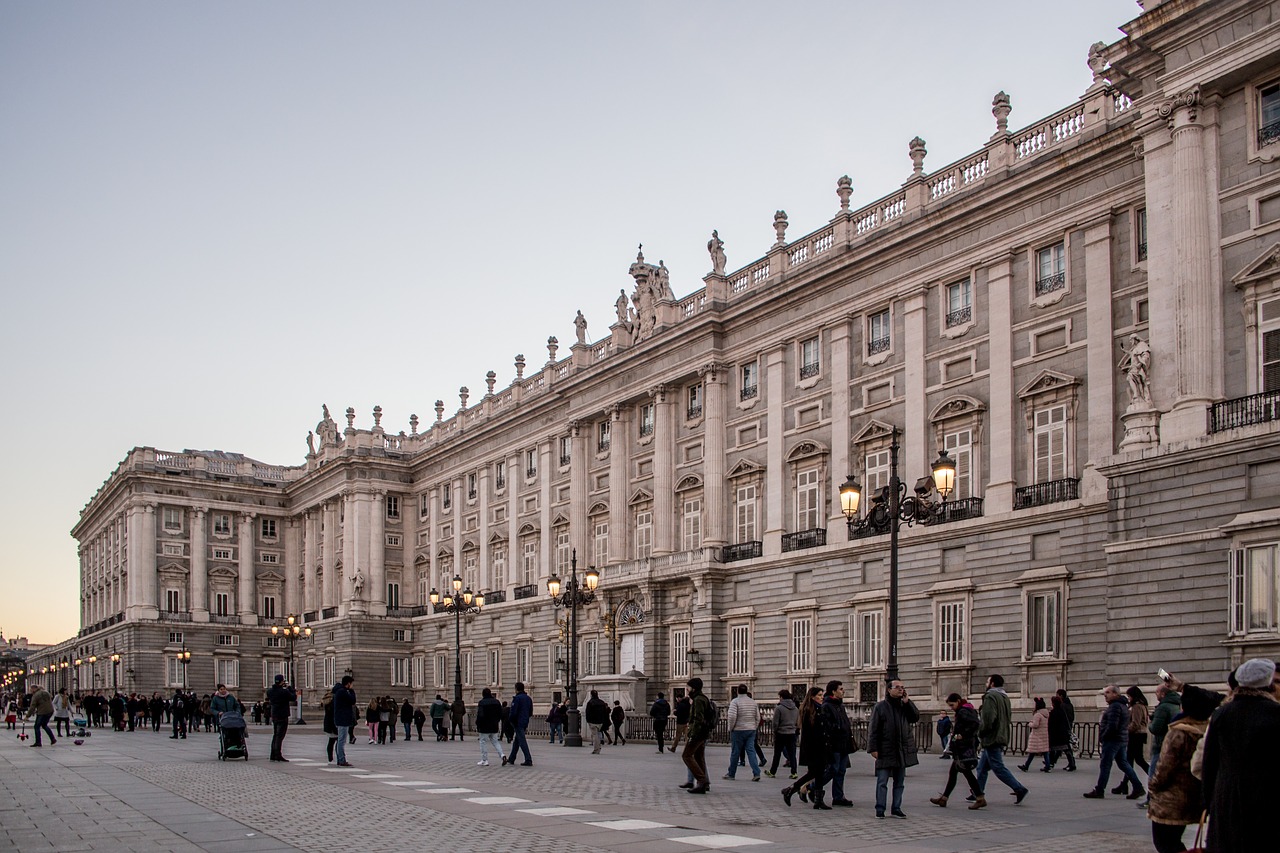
(660, 711)
(703, 716)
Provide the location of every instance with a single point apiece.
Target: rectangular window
(529, 561)
(644, 534)
(393, 506)
(801, 644)
(739, 650)
(227, 671)
(604, 435)
(400, 635)
(446, 496)
(498, 567)
(268, 607)
(524, 668)
(268, 528)
(222, 525)
(175, 638)
(646, 419)
(557, 663)
(750, 380)
(222, 604)
(1051, 268)
(275, 642)
(471, 570)
(590, 656)
(878, 335)
(310, 674)
(694, 397)
(424, 506)
(393, 540)
(1268, 114)
(330, 670)
(692, 527)
(869, 639)
(174, 672)
(269, 558)
(1269, 344)
(810, 358)
(400, 671)
(442, 670)
(1140, 235)
(173, 549)
(745, 504)
(468, 666)
(959, 446)
(959, 303)
(566, 449)
(419, 668)
(222, 553)
(600, 545)
(172, 519)
(495, 667)
(473, 486)
(1255, 589)
(172, 600)
(563, 550)
(680, 653)
(228, 639)
(1042, 624)
(393, 594)
(270, 669)
(951, 632)
(1051, 444)
(808, 507)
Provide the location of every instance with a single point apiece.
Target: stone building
(1084, 313)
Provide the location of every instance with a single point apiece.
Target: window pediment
(961, 405)
(528, 529)
(598, 508)
(1264, 267)
(1047, 381)
(807, 449)
(688, 483)
(640, 496)
(497, 538)
(873, 431)
(745, 468)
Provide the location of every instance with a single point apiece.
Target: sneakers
(345, 764)
(727, 776)
(755, 778)
(505, 762)
(482, 764)
(767, 773)
(793, 776)
(898, 813)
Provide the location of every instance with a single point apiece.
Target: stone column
(198, 589)
(292, 565)
(547, 464)
(133, 560)
(915, 429)
(1005, 442)
(837, 530)
(714, 506)
(149, 607)
(580, 454)
(377, 588)
(247, 591)
(775, 486)
(330, 592)
(350, 555)
(619, 459)
(309, 597)
(483, 573)
(664, 470)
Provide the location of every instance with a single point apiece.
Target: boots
(1122, 788)
(980, 803)
(939, 801)
(1137, 794)
(818, 800)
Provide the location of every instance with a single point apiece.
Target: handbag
(1199, 834)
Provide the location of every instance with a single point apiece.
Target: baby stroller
(233, 742)
(82, 727)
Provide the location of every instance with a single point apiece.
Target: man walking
(994, 733)
(488, 725)
(839, 738)
(344, 715)
(701, 723)
(1113, 743)
(744, 719)
(681, 711)
(618, 716)
(597, 716)
(458, 716)
(41, 706)
(439, 708)
(520, 713)
(281, 698)
(660, 712)
(178, 713)
(785, 718)
(891, 742)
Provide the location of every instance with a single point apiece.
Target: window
(1050, 444)
(524, 668)
(810, 359)
(269, 558)
(446, 496)
(694, 397)
(808, 508)
(228, 639)
(275, 642)
(393, 506)
(680, 653)
(566, 449)
(1268, 114)
(268, 607)
(400, 671)
(393, 594)
(1042, 624)
(868, 638)
(172, 518)
(393, 540)
(173, 549)
(959, 303)
(172, 600)
(800, 638)
(878, 337)
(468, 666)
(175, 638)
(442, 670)
(604, 435)
(424, 506)
(495, 667)
(600, 543)
(222, 526)
(1269, 343)
(400, 635)
(173, 674)
(563, 550)
(529, 560)
(227, 671)
(1140, 234)
(646, 419)
(750, 381)
(270, 669)
(739, 650)
(557, 663)
(499, 475)
(1255, 589)
(959, 446)
(1051, 268)
(498, 567)
(951, 633)
(268, 528)
(531, 463)
(473, 486)
(644, 533)
(745, 504)
(692, 526)
(222, 604)
(587, 665)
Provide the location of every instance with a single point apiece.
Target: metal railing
(329, 613)
(956, 510)
(878, 345)
(528, 590)
(804, 539)
(310, 616)
(960, 317)
(496, 597)
(1243, 411)
(1052, 492)
(407, 612)
(1050, 283)
(1268, 134)
(808, 371)
(749, 392)
(741, 551)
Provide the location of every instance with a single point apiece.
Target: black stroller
(233, 742)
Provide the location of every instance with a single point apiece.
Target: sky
(215, 217)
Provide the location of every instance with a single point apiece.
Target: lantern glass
(850, 495)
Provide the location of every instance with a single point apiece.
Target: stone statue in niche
(357, 584)
(580, 327)
(715, 246)
(1136, 365)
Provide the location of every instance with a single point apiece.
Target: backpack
(714, 718)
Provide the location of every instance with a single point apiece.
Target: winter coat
(220, 705)
(617, 715)
(327, 704)
(997, 719)
(1059, 728)
(61, 707)
(597, 712)
(406, 713)
(1242, 772)
(489, 716)
(280, 698)
(683, 707)
(660, 710)
(521, 710)
(438, 709)
(458, 710)
(837, 731)
(699, 717)
(1038, 736)
(744, 714)
(891, 735)
(785, 717)
(1168, 708)
(1113, 724)
(344, 705)
(41, 703)
(1138, 720)
(963, 745)
(813, 740)
(1175, 793)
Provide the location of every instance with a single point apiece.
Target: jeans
(42, 722)
(992, 761)
(340, 750)
(408, 735)
(488, 739)
(784, 747)
(597, 738)
(278, 730)
(1114, 751)
(836, 768)
(519, 744)
(743, 741)
(695, 758)
(899, 777)
(557, 731)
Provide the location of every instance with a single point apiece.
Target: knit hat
(1198, 703)
(1256, 673)
(279, 678)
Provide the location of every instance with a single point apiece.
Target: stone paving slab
(139, 791)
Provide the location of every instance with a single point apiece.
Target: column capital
(1182, 109)
(713, 371)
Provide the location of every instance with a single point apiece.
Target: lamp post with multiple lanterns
(292, 632)
(115, 663)
(890, 509)
(457, 601)
(575, 594)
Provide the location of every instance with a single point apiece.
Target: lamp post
(575, 595)
(64, 677)
(185, 657)
(115, 663)
(457, 601)
(75, 676)
(890, 509)
(93, 668)
(292, 632)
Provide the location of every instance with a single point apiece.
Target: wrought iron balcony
(564, 459)
(224, 619)
(529, 590)
(1243, 411)
(406, 612)
(804, 539)
(749, 392)
(694, 411)
(956, 510)
(602, 445)
(878, 345)
(175, 616)
(741, 551)
(1142, 250)
(1050, 283)
(496, 597)
(646, 428)
(1041, 494)
(810, 370)
(310, 616)
(1269, 134)
(960, 316)
(329, 613)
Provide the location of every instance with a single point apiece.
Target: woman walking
(785, 717)
(1175, 793)
(329, 727)
(963, 747)
(371, 718)
(62, 711)
(1038, 738)
(1059, 734)
(1139, 717)
(813, 752)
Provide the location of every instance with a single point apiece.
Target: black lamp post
(292, 632)
(185, 657)
(75, 676)
(575, 595)
(890, 509)
(457, 601)
(115, 663)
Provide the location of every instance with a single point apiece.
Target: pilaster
(775, 484)
(916, 435)
(377, 589)
(198, 588)
(1004, 440)
(1101, 356)
(619, 459)
(247, 587)
(715, 506)
(664, 448)
(837, 531)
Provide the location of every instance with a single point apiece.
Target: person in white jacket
(62, 711)
(744, 719)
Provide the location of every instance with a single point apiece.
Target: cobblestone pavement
(142, 791)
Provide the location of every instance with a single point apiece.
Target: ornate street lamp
(457, 601)
(185, 657)
(292, 632)
(115, 663)
(890, 509)
(574, 595)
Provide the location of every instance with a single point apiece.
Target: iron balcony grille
(956, 510)
(804, 539)
(695, 411)
(1052, 492)
(406, 611)
(741, 551)
(175, 616)
(878, 346)
(564, 460)
(224, 620)
(602, 445)
(500, 482)
(329, 613)
(1243, 411)
(471, 494)
(529, 590)
(959, 318)
(1269, 134)
(749, 392)
(646, 428)
(310, 616)
(1142, 250)
(531, 472)
(809, 370)
(1050, 283)
(496, 597)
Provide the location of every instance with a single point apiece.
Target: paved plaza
(141, 791)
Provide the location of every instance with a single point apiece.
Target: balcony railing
(496, 597)
(1142, 250)
(956, 510)
(564, 460)
(741, 551)
(529, 590)
(807, 371)
(960, 317)
(1269, 134)
(175, 616)
(329, 613)
(1052, 492)
(1050, 283)
(646, 428)
(749, 392)
(694, 411)
(1243, 411)
(602, 445)
(310, 616)
(878, 345)
(224, 620)
(407, 612)
(804, 539)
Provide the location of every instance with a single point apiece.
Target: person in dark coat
(963, 748)
(520, 712)
(1113, 742)
(1242, 762)
(597, 717)
(839, 735)
(457, 719)
(281, 698)
(330, 729)
(660, 712)
(891, 742)
(406, 719)
(1059, 734)
(618, 716)
(344, 717)
(489, 715)
(419, 720)
(681, 711)
(814, 754)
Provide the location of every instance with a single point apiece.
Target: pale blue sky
(215, 217)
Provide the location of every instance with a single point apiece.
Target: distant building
(1084, 313)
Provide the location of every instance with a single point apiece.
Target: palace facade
(1084, 313)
